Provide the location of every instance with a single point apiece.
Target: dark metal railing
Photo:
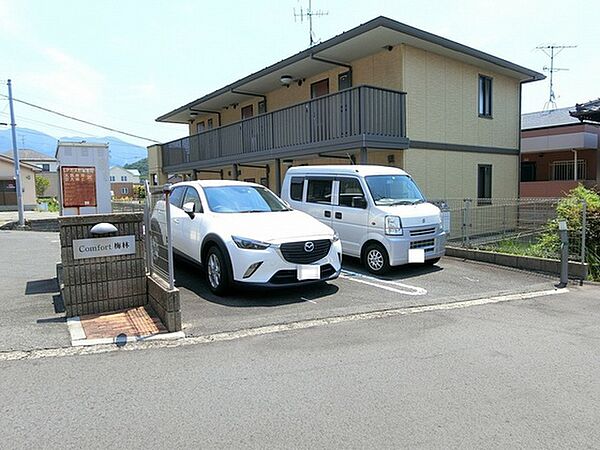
(362, 110)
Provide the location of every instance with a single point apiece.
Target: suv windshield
(394, 190)
(242, 199)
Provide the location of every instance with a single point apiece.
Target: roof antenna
(549, 50)
(308, 14)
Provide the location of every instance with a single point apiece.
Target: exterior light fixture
(286, 80)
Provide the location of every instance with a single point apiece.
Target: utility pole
(552, 51)
(16, 156)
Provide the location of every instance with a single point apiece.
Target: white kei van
(378, 212)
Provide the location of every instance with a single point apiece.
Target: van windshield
(388, 190)
(242, 199)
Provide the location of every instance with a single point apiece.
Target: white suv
(243, 233)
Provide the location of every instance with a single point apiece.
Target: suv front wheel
(217, 271)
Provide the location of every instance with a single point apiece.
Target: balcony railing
(348, 117)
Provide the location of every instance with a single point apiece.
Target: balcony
(363, 116)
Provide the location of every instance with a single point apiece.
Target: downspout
(574, 164)
(251, 94)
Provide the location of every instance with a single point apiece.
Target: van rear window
(296, 188)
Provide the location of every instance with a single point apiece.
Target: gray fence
(157, 222)
(513, 225)
(130, 206)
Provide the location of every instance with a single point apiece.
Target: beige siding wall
(7, 172)
(453, 174)
(442, 102)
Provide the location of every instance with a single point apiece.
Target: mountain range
(121, 152)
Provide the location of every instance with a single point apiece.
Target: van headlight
(249, 244)
(393, 225)
(336, 237)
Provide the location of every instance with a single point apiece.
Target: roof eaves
(380, 21)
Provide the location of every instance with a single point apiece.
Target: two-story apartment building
(122, 181)
(381, 93)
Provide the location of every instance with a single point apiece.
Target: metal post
(167, 192)
(147, 230)
(564, 254)
(583, 229)
(277, 176)
(16, 156)
(364, 158)
(467, 221)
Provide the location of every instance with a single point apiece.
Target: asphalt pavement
(31, 312)
(519, 374)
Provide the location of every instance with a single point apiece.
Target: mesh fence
(527, 226)
(159, 255)
(131, 206)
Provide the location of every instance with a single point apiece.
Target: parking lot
(355, 291)
(31, 314)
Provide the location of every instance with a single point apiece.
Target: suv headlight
(393, 225)
(249, 244)
(336, 237)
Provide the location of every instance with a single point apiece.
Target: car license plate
(309, 272)
(416, 255)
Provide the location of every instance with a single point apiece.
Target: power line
(83, 121)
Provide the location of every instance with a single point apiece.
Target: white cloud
(9, 23)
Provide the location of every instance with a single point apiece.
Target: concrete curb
(577, 270)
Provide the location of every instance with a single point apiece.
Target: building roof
(31, 155)
(134, 172)
(587, 111)
(351, 45)
(22, 164)
(549, 118)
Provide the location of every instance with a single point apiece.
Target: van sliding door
(319, 196)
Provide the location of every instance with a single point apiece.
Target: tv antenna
(308, 15)
(552, 51)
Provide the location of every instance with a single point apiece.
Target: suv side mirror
(189, 208)
(359, 202)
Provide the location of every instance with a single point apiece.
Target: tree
(41, 184)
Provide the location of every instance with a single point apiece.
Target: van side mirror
(359, 202)
(189, 208)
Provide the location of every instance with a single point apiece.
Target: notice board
(78, 186)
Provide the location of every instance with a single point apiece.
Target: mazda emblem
(309, 246)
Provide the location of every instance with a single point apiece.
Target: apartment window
(112, 178)
(296, 188)
(485, 96)
(200, 127)
(319, 88)
(123, 177)
(484, 184)
(45, 167)
(124, 191)
(344, 80)
(262, 107)
(209, 123)
(247, 112)
(528, 170)
(319, 191)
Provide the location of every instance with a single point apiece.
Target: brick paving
(134, 322)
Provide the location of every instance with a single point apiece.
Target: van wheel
(376, 259)
(217, 271)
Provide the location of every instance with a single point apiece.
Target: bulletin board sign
(78, 186)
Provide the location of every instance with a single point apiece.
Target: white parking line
(388, 285)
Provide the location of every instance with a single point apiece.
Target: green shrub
(41, 184)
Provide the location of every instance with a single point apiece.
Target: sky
(124, 63)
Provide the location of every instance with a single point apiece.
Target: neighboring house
(382, 93)
(123, 180)
(558, 152)
(8, 188)
(47, 164)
